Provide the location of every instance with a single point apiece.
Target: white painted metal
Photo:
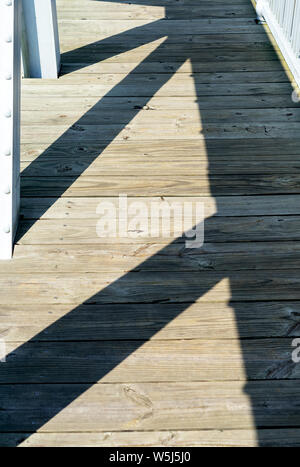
(10, 27)
(40, 44)
(283, 19)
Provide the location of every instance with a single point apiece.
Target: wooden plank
(62, 165)
(217, 229)
(90, 186)
(207, 438)
(137, 104)
(160, 149)
(261, 39)
(136, 12)
(186, 3)
(107, 257)
(167, 65)
(142, 78)
(149, 287)
(167, 52)
(79, 132)
(142, 361)
(139, 407)
(172, 88)
(192, 117)
(159, 47)
(43, 323)
(206, 26)
(233, 206)
(138, 44)
(198, 55)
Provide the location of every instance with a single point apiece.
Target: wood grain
(149, 256)
(152, 406)
(237, 206)
(206, 438)
(127, 11)
(150, 287)
(210, 321)
(192, 117)
(91, 186)
(140, 361)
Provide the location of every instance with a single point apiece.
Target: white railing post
(10, 75)
(41, 42)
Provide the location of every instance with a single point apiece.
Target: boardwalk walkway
(144, 341)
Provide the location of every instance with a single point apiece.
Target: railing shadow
(167, 294)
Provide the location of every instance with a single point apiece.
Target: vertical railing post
(42, 56)
(10, 74)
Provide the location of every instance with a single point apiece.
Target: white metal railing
(283, 19)
(10, 58)
(39, 34)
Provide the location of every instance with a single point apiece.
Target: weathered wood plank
(239, 77)
(43, 323)
(207, 438)
(157, 104)
(149, 287)
(217, 229)
(91, 186)
(186, 3)
(161, 149)
(139, 256)
(198, 55)
(142, 78)
(172, 88)
(167, 66)
(79, 132)
(164, 28)
(142, 361)
(237, 206)
(192, 117)
(162, 49)
(135, 12)
(61, 165)
(114, 46)
(161, 406)
(261, 40)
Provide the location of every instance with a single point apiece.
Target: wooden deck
(145, 342)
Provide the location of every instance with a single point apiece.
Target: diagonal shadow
(79, 127)
(25, 408)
